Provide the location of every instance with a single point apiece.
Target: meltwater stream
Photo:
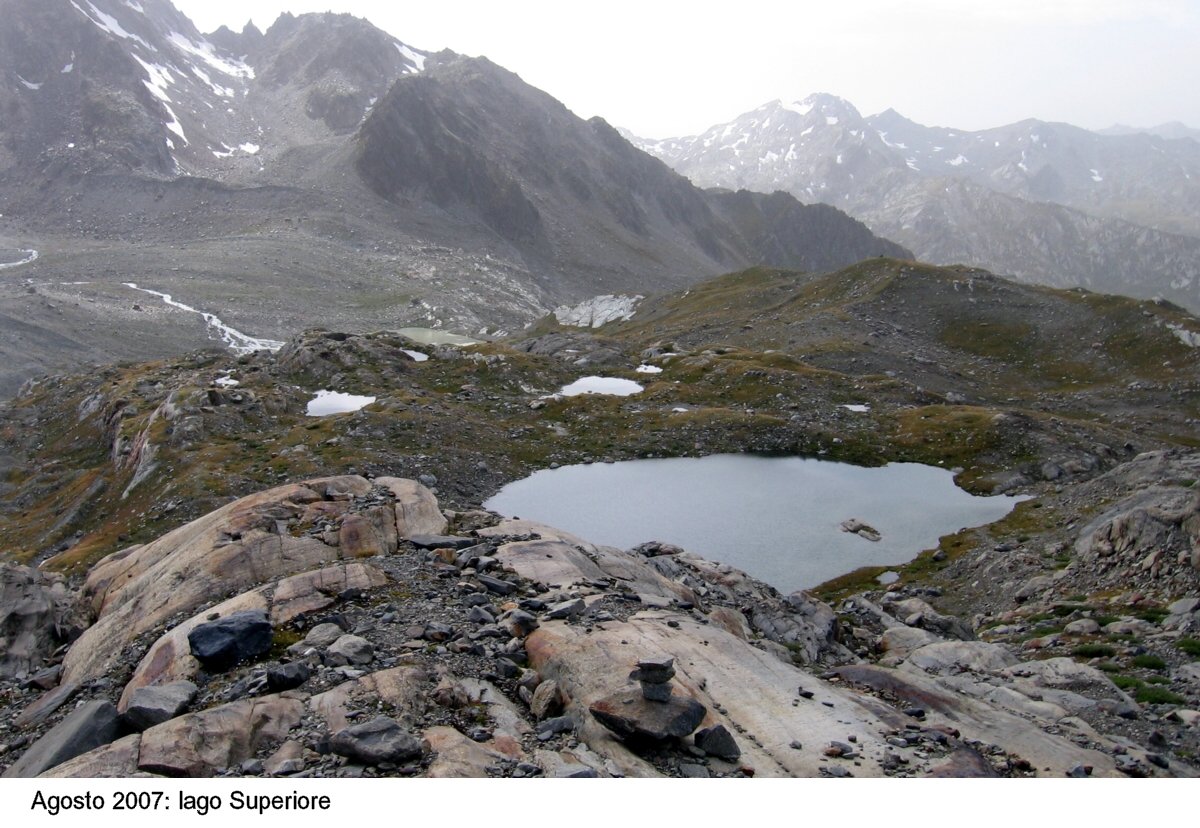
(236, 341)
(777, 518)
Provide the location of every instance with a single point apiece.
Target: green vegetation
(1148, 662)
(1157, 695)
(1190, 646)
(1127, 682)
(1094, 651)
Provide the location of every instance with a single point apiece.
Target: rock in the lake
(857, 527)
(153, 705)
(382, 739)
(220, 644)
(629, 715)
(88, 726)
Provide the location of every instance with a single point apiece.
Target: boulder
(170, 658)
(417, 510)
(287, 676)
(323, 635)
(149, 706)
(368, 533)
(382, 739)
(631, 716)
(458, 757)
(899, 642)
(203, 743)
(287, 760)
(566, 609)
(350, 649)
(1084, 626)
(37, 613)
(117, 760)
(546, 700)
(220, 644)
(231, 550)
(718, 741)
(86, 727)
(947, 657)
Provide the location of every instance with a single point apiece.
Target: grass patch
(1093, 651)
(1148, 662)
(1157, 695)
(1128, 682)
(1190, 646)
(1109, 667)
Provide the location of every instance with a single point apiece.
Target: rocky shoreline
(408, 641)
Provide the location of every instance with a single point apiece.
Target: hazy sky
(673, 68)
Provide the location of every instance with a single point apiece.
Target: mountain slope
(322, 164)
(1048, 203)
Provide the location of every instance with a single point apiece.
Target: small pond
(777, 518)
(435, 336)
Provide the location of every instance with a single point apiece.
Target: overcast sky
(672, 68)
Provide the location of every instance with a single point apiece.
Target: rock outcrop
(518, 650)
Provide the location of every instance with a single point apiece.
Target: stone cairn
(654, 675)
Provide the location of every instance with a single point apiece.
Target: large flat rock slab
(234, 549)
(170, 657)
(758, 692)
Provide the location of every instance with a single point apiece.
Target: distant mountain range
(324, 172)
(1044, 202)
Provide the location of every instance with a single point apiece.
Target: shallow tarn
(777, 518)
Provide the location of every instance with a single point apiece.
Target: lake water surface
(777, 518)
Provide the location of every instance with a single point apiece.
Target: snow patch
(68, 69)
(839, 158)
(208, 53)
(610, 386)
(174, 124)
(29, 85)
(223, 91)
(649, 369)
(799, 107)
(857, 408)
(1189, 338)
(109, 24)
(957, 161)
(136, 6)
(883, 136)
(335, 402)
(597, 311)
(806, 131)
(1096, 176)
(912, 164)
(417, 356)
(160, 79)
(830, 120)
(237, 341)
(249, 149)
(226, 381)
(415, 58)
